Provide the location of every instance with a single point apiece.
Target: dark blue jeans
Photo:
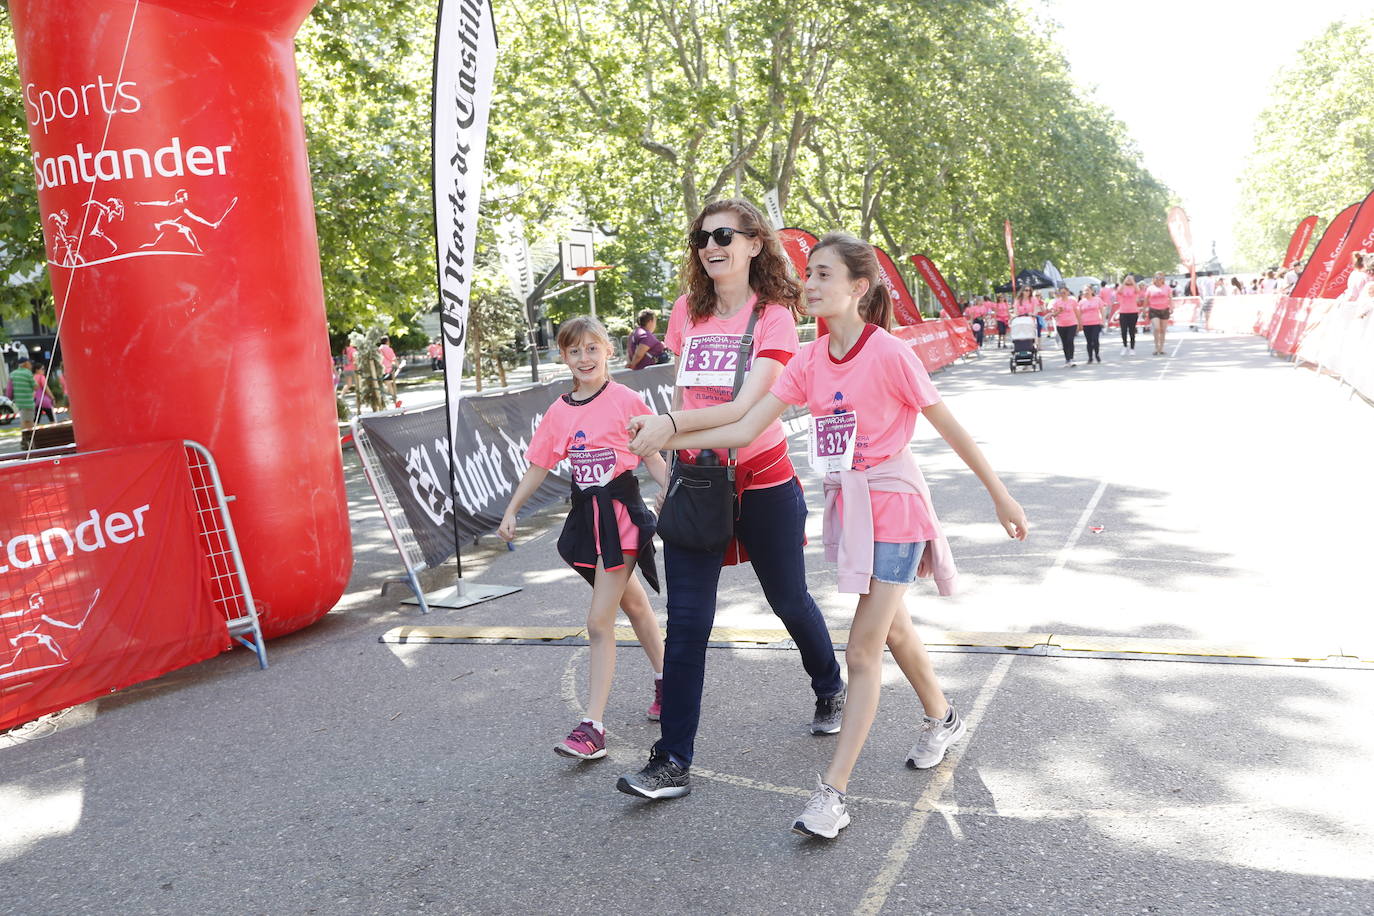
(771, 527)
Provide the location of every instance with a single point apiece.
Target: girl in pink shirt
(1127, 308)
(865, 389)
(978, 318)
(609, 528)
(1091, 310)
(1064, 310)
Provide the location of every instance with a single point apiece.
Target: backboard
(574, 252)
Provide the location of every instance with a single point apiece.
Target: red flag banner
(1359, 237)
(1297, 245)
(798, 244)
(1011, 251)
(1320, 266)
(103, 581)
(1182, 234)
(936, 281)
(904, 310)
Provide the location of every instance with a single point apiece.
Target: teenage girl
(1128, 312)
(609, 528)
(879, 523)
(977, 315)
(1160, 301)
(1064, 310)
(1090, 312)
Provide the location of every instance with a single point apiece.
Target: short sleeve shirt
(883, 382)
(1127, 297)
(593, 434)
(775, 337)
(1158, 297)
(1064, 314)
(1090, 310)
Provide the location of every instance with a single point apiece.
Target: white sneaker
(935, 738)
(824, 815)
(1125, 351)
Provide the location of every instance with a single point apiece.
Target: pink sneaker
(584, 743)
(656, 707)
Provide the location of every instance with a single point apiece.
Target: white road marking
(875, 898)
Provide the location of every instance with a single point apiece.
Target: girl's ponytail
(861, 261)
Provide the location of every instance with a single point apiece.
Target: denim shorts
(896, 563)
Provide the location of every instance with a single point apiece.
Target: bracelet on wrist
(672, 421)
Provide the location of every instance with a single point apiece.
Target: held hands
(1012, 517)
(649, 433)
(506, 530)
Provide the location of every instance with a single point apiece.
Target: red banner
(1011, 251)
(103, 581)
(798, 244)
(936, 281)
(1182, 234)
(1359, 237)
(1297, 245)
(1320, 265)
(904, 310)
(938, 342)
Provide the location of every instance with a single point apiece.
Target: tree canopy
(1314, 142)
(918, 125)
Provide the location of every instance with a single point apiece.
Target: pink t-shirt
(388, 356)
(1158, 297)
(1091, 310)
(976, 311)
(350, 358)
(1128, 301)
(593, 434)
(1063, 311)
(884, 384)
(1026, 307)
(775, 337)
(1003, 313)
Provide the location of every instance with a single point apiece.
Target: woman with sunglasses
(734, 268)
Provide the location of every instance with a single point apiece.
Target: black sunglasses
(723, 236)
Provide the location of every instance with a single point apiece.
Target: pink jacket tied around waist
(848, 539)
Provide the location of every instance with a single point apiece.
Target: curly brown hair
(770, 273)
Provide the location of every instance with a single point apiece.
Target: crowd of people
(1067, 316)
(739, 365)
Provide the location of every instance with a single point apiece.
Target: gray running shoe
(935, 738)
(829, 713)
(660, 778)
(824, 815)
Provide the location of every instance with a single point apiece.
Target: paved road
(354, 776)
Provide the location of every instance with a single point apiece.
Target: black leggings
(1128, 320)
(1093, 334)
(1066, 336)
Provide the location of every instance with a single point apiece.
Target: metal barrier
(228, 581)
(393, 514)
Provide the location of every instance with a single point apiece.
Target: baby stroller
(1025, 352)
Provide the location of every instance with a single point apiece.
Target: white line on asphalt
(875, 898)
(1063, 556)
(1168, 360)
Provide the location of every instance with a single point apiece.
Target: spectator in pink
(1064, 311)
(1091, 313)
(389, 368)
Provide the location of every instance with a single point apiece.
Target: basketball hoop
(582, 271)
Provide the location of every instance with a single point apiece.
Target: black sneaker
(660, 778)
(829, 713)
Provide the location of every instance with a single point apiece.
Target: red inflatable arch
(172, 179)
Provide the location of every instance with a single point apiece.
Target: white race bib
(592, 467)
(709, 360)
(832, 441)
